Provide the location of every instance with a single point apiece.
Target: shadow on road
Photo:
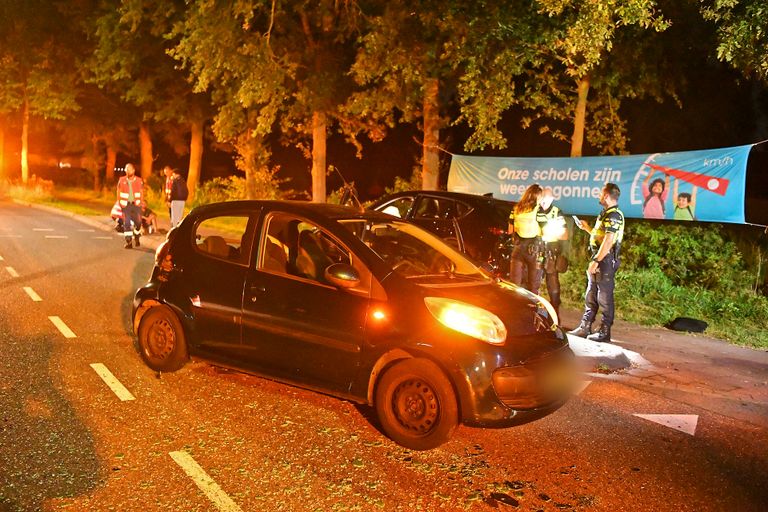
(46, 452)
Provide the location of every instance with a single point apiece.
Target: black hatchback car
(358, 305)
(476, 225)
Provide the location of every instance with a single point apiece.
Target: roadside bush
(265, 185)
(35, 190)
(689, 255)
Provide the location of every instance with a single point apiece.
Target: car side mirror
(342, 275)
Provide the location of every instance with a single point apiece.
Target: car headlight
(467, 319)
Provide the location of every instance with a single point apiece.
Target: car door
(214, 276)
(295, 325)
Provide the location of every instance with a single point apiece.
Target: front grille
(537, 383)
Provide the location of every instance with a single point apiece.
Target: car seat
(275, 258)
(311, 260)
(216, 246)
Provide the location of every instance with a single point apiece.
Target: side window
(462, 209)
(295, 247)
(399, 207)
(224, 237)
(435, 208)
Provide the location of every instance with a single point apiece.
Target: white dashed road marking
(102, 237)
(62, 327)
(42, 229)
(206, 484)
(12, 271)
(56, 236)
(683, 422)
(2, 259)
(32, 295)
(111, 381)
(86, 230)
(581, 386)
(10, 236)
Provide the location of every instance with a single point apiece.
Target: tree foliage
(742, 28)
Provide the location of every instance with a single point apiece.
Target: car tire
(162, 343)
(416, 404)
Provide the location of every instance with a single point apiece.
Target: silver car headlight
(467, 319)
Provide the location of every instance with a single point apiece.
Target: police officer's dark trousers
(599, 293)
(525, 265)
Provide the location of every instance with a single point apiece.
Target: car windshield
(413, 252)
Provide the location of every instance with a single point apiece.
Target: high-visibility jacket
(610, 220)
(168, 184)
(130, 191)
(525, 223)
(552, 224)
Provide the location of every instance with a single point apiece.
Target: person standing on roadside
(178, 197)
(605, 243)
(168, 173)
(526, 260)
(130, 195)
(553, 234)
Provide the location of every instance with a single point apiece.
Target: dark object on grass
(683, 323)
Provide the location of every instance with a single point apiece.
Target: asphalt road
(205, 438)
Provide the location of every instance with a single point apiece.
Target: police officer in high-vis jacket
(605, 243)
(526, 259)
(553, 234)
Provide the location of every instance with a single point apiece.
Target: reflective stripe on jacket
(125, 189)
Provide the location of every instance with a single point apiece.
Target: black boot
(583, 330)
(136, 240)
(128, 244)
(603, 335)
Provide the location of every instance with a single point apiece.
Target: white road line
(10, 236)
(102, 237)
(111, 381)
(32, 295)
(683, 422)
(86, 230)
(2, 259)
(56, 236)
(62, 327)
(42, 229)
(581, 386)
(12, 271)
(206, 484)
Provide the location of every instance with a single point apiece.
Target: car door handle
(258, 288)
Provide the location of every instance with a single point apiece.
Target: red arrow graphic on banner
(710, 183)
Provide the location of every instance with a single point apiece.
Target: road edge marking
(12, 271)
(62, 327)
(110, 380)
(204, 482)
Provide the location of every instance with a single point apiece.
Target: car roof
(306, 208)
(468, 198)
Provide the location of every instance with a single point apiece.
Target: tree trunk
(25, 142)
(430, 167)
(94, 166)
(195, 157)
(579, 120)
(109, 169)
(318, 157)
(145, 141)
(2, 150)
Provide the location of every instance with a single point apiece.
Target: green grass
(648, 297)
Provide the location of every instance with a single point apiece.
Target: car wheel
(161, 340)
(416, 404)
